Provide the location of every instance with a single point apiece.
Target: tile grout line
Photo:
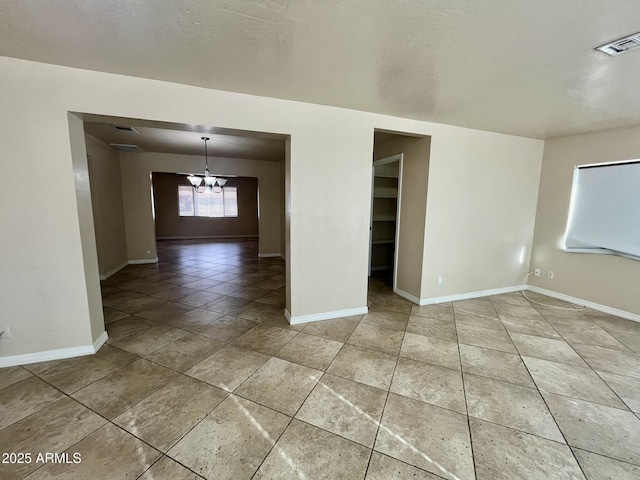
(569, 342)
(294, 416)
(403, 395)
(555, 421)
(290, 420)
(605, 382)
(240, 256)
(112, 421)
(164, 455)
(107, 421)
(553, 416)
(588, 366)
(197, 423)
(464, 393)
(615, 393)
(546, 404)
(386, 400)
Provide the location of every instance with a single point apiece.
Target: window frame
(195, 203)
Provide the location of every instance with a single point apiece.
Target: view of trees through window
(207, 204)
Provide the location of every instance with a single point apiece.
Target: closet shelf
(384, 218)
(377, 268)
(385, 192)
(382, 175)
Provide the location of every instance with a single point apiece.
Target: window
(604, 215)
(207, 204)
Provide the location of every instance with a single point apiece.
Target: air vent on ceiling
(622, 45)
(124, 128)
(126, 148)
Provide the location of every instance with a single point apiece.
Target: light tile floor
(203, 377)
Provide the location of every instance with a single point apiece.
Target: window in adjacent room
(207, 204)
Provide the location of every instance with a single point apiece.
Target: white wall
(86, 225)
(138, 211)
(286, 220)
(605, 279)
(106, 199)
(481, 197)
(481, 206)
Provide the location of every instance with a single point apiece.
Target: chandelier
(207, 183)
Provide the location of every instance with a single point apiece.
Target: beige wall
(605, 279)
(169, 223)
(287, 219)
(86, 226)
(106, 199)
(283, 203)
(136, 171)
(413, 206)
(480, 204)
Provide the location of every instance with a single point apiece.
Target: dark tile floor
(203, 376)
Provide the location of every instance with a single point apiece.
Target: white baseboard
(408, 296)
(316, 317)
(221, 237)
(270, 255)
(59, 354)
(467, 296)
(497, 291)
(100, 341)
(586, 303)
(143, 261)
(113, 271)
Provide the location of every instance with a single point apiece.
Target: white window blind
(604, 216)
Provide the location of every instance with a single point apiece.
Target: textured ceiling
(515, 66)
(176, 139)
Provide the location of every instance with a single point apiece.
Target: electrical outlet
(536, 272)
(550, 275)
(439, 280)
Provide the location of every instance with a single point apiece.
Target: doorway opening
(400, 174)
(162, 269)
(385, 218)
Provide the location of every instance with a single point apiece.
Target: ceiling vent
(124, 128)
(622, 45)
(126, 148)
